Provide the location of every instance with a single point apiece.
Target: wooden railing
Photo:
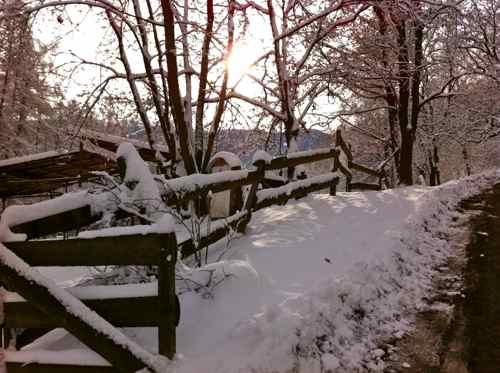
(180, 190)
(41, 310)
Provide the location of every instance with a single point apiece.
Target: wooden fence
(42, 312)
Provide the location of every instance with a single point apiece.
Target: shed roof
(44, 172)
(111, 143)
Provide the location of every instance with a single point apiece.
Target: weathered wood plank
(68, 220)
(344, 170)
(120, 250)
(364, 186)
(167, 299)
(339, 142)
(117, 354)
(296, 193)
(131, 312)
(272, 183)
(57, 368)
(28, 336)
(187, 248)
(284, 162)
(364, 169)
(176, 199)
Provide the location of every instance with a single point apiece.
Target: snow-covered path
(316, 284)
(293, 249)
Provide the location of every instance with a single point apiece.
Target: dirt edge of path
(436, 343)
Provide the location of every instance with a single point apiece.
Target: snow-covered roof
(111, 143)
(45, 172)
(28, 158)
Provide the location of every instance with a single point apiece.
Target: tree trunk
(174, 90)
(465, 153)
(406, 154)
(406, 159)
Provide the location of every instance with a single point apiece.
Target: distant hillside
(244, 142)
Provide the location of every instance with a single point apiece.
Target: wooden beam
(130, 312)
(295, 160)
(119, 250)
(57, 368)
(28, 336)
(116, 353)
(344, 170)
(272, 183)
(65, 221)
(174, 199)
(296, 193)
(364, 169)
(339, 141)
(187, 248)
(167, 299)
(364, 186)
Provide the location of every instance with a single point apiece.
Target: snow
(77, 356)
(165, 224)
(15, 215)
(261, 155)
(100, 292)
(28, 158)
(192, 183)
(308, 153)
(19, 214)
(317, 284)
(139, 185)
(231, 159)
(290, 187)
(85, 133)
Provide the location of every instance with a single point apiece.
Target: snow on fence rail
(183, 189)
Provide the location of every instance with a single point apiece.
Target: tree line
(405, 77)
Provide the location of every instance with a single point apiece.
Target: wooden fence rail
(180, 190)
(42, 310)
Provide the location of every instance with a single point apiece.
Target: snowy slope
(317, 284)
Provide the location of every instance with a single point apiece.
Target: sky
(83, 33)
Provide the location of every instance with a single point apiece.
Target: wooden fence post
(167, 298)
(333, 185)
(381, 179)
(252, 195)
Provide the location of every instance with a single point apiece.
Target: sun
(240, 62)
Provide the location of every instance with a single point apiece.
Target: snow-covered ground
(315, 285)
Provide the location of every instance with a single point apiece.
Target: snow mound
(231, 159)
(15, 215)
(261, 155)
(139, 186)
